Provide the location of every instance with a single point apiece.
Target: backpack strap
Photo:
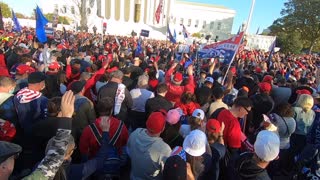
(287, 132)
(96, 133)
(216, 113)
(116, 135)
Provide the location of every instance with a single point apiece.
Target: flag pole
(250, 16)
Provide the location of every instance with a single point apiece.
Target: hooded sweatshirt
(31, 107)
(148, 155)
(246, 168)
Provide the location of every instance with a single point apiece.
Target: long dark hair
(196, 164)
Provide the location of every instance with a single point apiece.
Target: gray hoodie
(148, 155)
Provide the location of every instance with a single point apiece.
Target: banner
(225, 49)
(260, 42)
(49, 32)
(144, 33)
(159, 11)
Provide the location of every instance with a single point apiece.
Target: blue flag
(138, 49)
(41, 21)
(16, 27)
(172, 39)
(174, 34)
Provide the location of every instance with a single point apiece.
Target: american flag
(185, 32)
(159, 11)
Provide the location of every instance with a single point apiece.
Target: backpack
(224, 162)
(112, 164)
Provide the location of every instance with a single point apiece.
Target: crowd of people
(91, 106)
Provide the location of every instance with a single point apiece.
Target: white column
(121, 19)
(112, 10)
(131, 15)
(150, 11)
(142, 6)
(103, 8)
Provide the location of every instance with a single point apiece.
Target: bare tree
(82, 8)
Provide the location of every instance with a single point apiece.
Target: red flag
(159, 11)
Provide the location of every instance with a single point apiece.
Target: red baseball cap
(267, 79)
(303, 91)
(23, 68)
(156, 121)
(265, 87)
(60, 46)
(54, 66)
(177, 78)
(213, 126)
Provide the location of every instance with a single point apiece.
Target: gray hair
(85, 76)
(6, 81)
(117, 74)
(143, 81)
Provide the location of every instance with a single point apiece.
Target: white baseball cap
(209, 79)
(198, 113)
(267, 145)
(195, 143)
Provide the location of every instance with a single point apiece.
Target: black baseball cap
(8, 149)
(36, 77)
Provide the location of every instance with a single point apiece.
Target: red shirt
(232, 130)
(88, 144)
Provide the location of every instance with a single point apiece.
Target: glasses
(246, 109)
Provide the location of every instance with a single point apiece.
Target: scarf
(27, 95)
(120, 96)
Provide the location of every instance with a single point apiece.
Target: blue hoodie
(31, 107)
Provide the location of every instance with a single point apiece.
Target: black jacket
(157, 103)
(109, 90)
(246, 169)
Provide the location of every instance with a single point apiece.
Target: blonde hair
(305, 101)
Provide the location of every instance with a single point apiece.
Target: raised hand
(67, 104)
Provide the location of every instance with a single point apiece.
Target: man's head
(36, 81)
(241, 107)
(156, 122)
(54, 67)
(8, 154)
(23, 71)
(105, 106)
(137, 61)
(213, 128)
(217, 93)
(116, 76)
(209, 82)
(143, 81)
(77, 87)
(266, 146)
(177, 78)
(162, 89)
(265, 88)
(7, 84)
(85, 76)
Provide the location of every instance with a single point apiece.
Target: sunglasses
(246, 109)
